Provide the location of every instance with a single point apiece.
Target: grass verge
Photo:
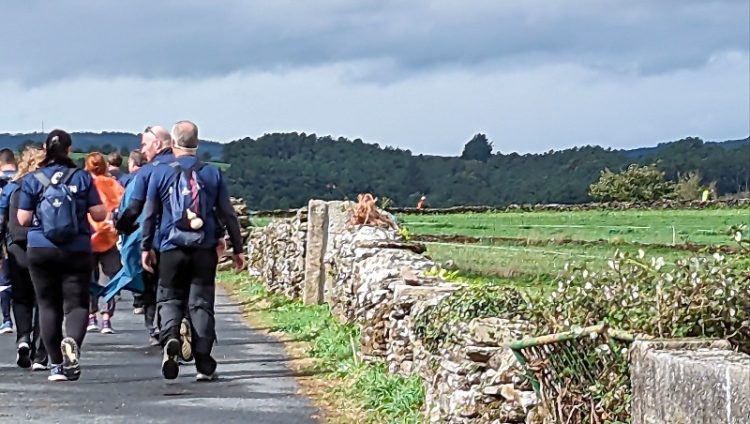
(345, 388)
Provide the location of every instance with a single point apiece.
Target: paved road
(121, 381)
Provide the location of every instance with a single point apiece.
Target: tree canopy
(478, 148)
(284, 170)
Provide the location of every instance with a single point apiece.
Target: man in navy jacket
(187, 272)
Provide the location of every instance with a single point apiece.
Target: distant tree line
(284, 170)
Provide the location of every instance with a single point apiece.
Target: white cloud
(522, 108)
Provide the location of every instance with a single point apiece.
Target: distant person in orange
(422, 204)
(103, 239)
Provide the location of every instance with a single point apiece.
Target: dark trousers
(6, 296)
(25, 308)
(137, 300)
(61, 281)
(5, 303)
(188, 277)
(106, 265)
(148, 298)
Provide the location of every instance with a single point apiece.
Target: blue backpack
(56, 212)
(188, 206)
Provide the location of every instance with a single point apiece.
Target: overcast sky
(533, 75)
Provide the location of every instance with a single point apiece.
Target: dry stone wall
(372, 277)
(276, 254)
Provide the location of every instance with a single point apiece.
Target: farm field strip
(526, 263)
(637, 226)
(515, 249)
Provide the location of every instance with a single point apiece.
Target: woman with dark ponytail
(54, 202)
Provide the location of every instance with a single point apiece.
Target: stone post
(338, 222)
(689, 382)
(315, 249)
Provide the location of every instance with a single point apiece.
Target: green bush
(635, 184)
(699, 296)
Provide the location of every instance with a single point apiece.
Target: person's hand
(148, 259)
(221, 248)
(239, 261)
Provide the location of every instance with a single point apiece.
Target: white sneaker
(6, 327)
(23, 358)
(36, 366)
(207, 377)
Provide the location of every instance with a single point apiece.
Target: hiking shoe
(186, 341)
(138, 311)
(207, 377)
(56, 373)
(23, 355)
(71, 367)
(7, 327)
(107, 327)
(169, 366)
(93, 324)
(38, 366)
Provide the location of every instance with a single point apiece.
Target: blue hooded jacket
(129, 277)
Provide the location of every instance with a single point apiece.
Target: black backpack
(17, 233)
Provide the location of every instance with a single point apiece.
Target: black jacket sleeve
(150, 220)
(127, 221)
(228, 216)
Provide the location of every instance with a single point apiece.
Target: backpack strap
(67, 175)
(197, 166)
(39, 175)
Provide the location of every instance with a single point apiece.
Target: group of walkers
(75, 238)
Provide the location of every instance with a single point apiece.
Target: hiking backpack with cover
(187, 205)
(56, 212)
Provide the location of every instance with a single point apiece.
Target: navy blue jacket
(144, 175)
(157, 209)
(125, 220)
(125, 179)
(86, 196)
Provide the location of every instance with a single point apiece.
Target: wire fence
(581, 375)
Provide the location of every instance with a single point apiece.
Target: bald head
(153, 140)
(185, 136)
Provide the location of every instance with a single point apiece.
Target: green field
(533, 247)
(540, 264)
(707, 226)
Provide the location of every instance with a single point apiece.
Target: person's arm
(151, 211)
(126, 221)
(27, 200)
(228, 216)
(4, 212)
(96, 209)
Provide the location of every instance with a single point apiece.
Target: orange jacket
(103, 234)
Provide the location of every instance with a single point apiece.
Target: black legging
(24, 303)
(61, 280)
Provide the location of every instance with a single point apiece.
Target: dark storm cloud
(42, 41)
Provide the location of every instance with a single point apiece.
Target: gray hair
(185, 135)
